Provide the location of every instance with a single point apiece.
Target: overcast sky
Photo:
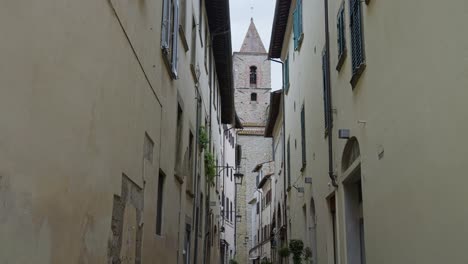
(262, 12)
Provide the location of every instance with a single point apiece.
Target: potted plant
(297, 249)
(284, 252)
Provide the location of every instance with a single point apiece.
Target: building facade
(252, 82)
(104, 107)
(369, 131)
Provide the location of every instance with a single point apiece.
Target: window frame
(358, 54)
(170, 36)
(341, 36)
(298, 26)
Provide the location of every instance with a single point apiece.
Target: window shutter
(326, 90)
(299, 19)
(166, 26)
(357, 48)
(303, 137)
(295, 27)
(175, 38)
(286, 74)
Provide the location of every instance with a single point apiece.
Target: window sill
(357, 75)
(341, 60)
(299, 42)
(165, 54)
(286, 88)
(183, 38)
(195, 71)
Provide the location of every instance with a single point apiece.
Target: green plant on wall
(203, 139)
(266, 261)
(284, 252)
(233, 261)
(297, 249)
(307, 254)
(210, 167)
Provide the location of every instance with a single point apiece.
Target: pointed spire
(252, 41)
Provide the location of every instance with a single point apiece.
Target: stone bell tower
(252, 83)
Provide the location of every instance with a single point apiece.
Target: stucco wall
(398, 110)
(83, 82)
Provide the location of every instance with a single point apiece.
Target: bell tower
(252, 83)
(252, 80)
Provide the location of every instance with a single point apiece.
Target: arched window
(253, 97)
(253, 75)
(350, 154)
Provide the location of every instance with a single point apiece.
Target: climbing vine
(210, 167)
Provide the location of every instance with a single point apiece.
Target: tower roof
(252, 41)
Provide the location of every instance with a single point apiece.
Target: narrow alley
(233, 132)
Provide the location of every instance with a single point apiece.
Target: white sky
(262, 12)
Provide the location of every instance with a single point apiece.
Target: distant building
(252, 82)
(374, 109)
(109, 111)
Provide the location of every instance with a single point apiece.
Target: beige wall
(81, 85)
(411, 103)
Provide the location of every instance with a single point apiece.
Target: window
(179, 133)
(190, 182)
(286, 75)
(148, 147)
(253, 75)
(226, 212)
(253, 97)
(268, 197)
(258, 207)
(340, 25)
(193, 53)
(303, 137)
(357, 40)
(187, 247)
(326, 90)
(190, 148)
(200, 16)
(160, 203)
(288, 164)
(200, 221)
(230, 212)
(169, 34)
(297, 26)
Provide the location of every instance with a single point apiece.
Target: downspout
(331, 174)
(196, 203)
(207, 250)
(285, 213)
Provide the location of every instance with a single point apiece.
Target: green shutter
(357, 47)
(303, 137)
(296, 28)
(297, 24)
(286, 75)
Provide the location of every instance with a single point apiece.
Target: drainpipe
(207, 249)
(196, 203)
(285, 213)
(331, 174)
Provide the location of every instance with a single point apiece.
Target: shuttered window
(357, 40)
(303, 137)
(286, 75)
(288, 164)
(326, 90)
(170, 34)
(297, 24)
(341, 36)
